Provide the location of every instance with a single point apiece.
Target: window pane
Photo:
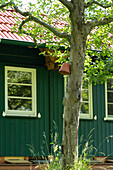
(110, 109)
(110, 84)
(85, 95)
(85, 84)
(19, 77)
(22, 91)
(110, 97)
(84, 108)
(19, 104)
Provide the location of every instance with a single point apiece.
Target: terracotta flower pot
(65, 69)
(101, 159)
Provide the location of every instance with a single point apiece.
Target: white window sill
(4, 114)
(108, 118)
(86, 118)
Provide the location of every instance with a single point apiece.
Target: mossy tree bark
(72, 99)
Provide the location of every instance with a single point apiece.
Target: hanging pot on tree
(65, 69)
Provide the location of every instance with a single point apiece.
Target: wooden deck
(42, 165)
(106, 166)
(22, 167)
(102, 166)
(22, 163)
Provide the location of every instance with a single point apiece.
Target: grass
(82, 163)
(85, 152)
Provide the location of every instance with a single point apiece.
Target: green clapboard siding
(21, 55)
(24, 136)
(56, 107)
(19, 135)
(102, 129)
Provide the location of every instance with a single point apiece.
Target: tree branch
(68, 4)
(103, 21)
(49, 27)
(96, 2)
(25, 14)
(16, 8)
(2, 6)
(32, 18)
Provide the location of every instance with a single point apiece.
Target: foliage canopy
(48, 22)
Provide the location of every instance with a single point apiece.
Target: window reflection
(19, 104)
(85, 95)
(19, 90)
(110, 96)
(110, 109)
(85, 98)
(19, 77)
(85, 108)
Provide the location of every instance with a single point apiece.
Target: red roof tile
(7, 22)
(9, 18)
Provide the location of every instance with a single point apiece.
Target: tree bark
(72, 99)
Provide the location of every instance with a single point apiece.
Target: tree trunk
(72, 99)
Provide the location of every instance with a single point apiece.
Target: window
(87, 100)
(20, 91)
(87, 106)
(109, 99)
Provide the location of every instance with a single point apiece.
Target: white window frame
(19, 112)
(107, 117)
(90, 101)
(90, 97)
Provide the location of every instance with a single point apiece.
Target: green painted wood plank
(56, 108)
(41, 111)
(99, 118)
(8, 137)
(22, 137)
(12, 134)
(43, 107)
(95, 94)
(46, 108)
(20, 131)
(2, 119)
(38, 110)
(60, 99)
(3, 138)
(18, 136)
(32, 136)
(51, 102)
(23, 55)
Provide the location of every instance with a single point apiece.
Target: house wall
(20, 134)
(101, 129)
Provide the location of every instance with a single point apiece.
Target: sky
(25, 2)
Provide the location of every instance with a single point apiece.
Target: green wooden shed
(31, 100)
(20, 129)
